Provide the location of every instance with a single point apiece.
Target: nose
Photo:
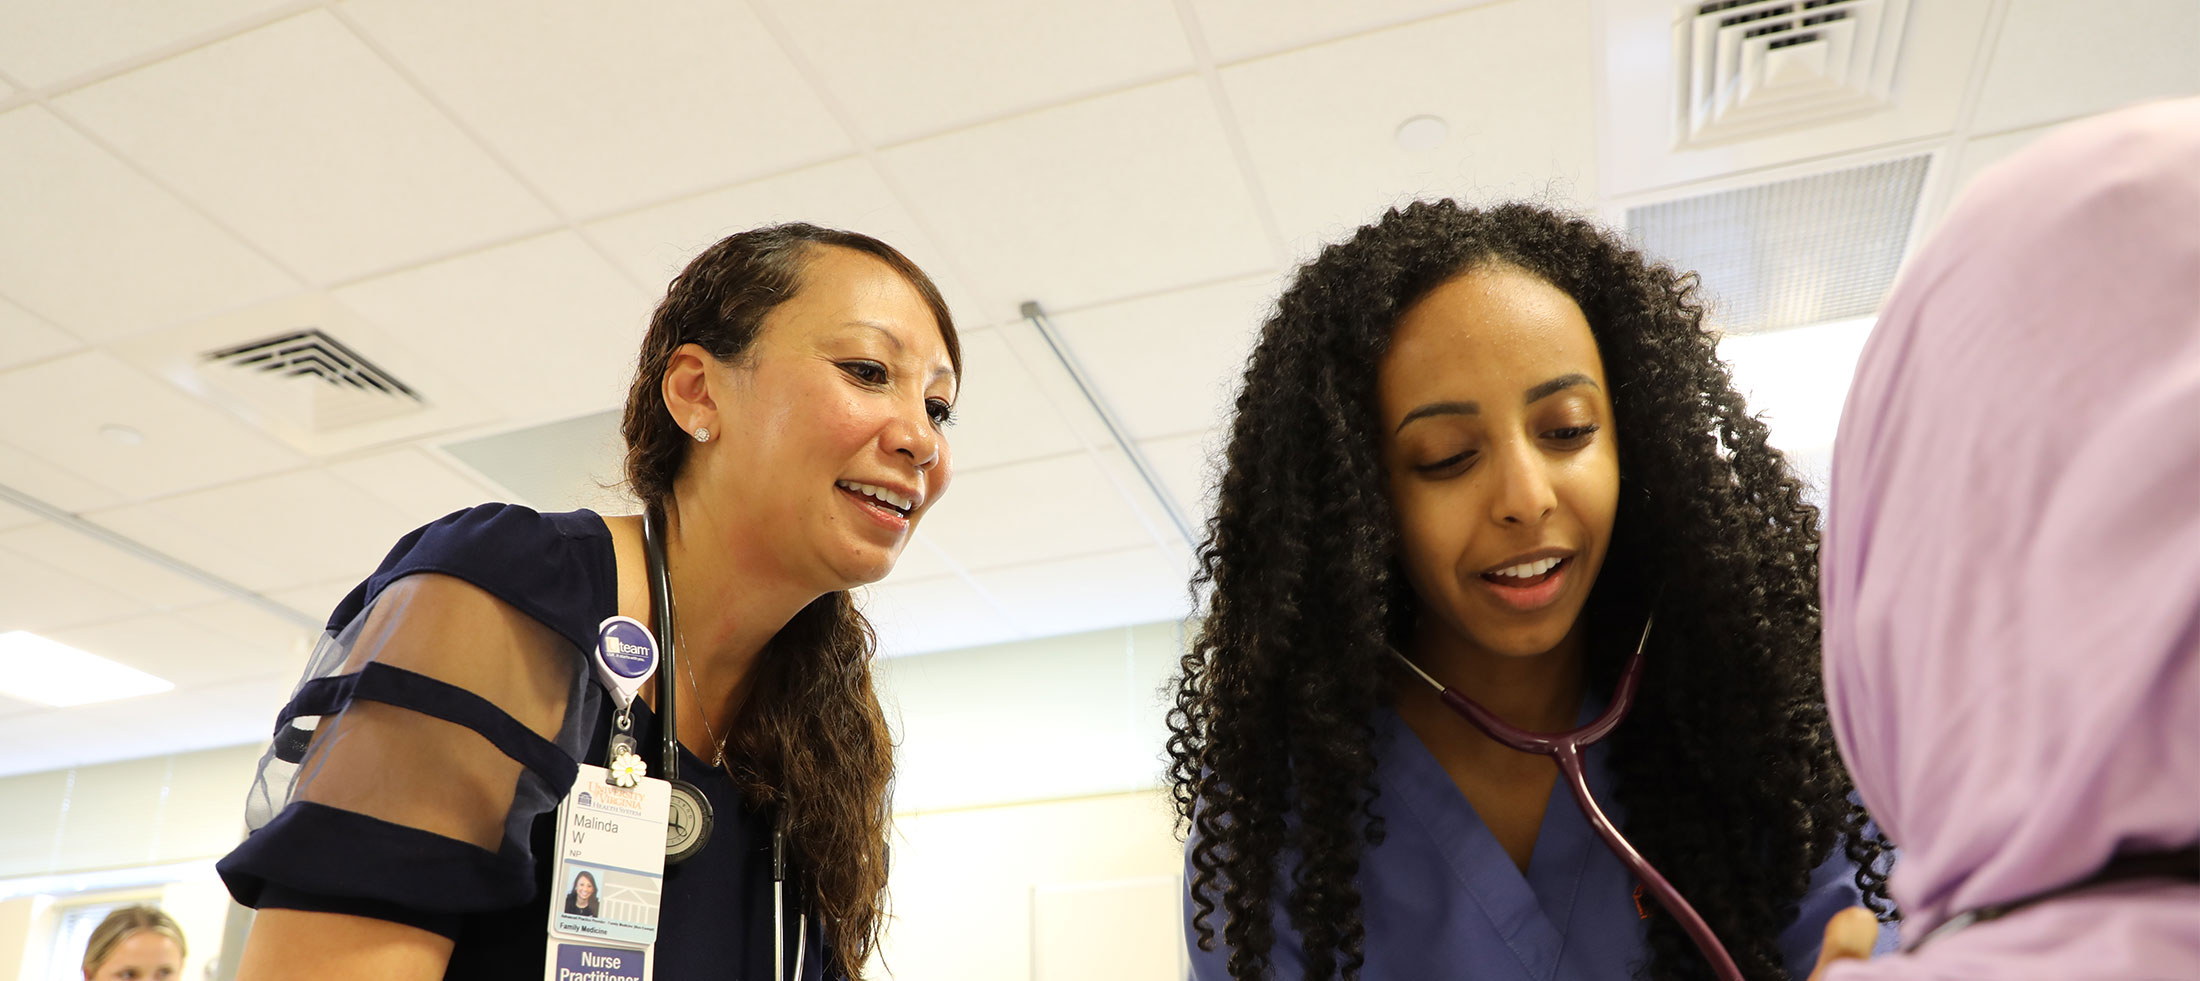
(915, 438)
(1523, 495)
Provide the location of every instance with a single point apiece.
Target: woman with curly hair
(1500, 442)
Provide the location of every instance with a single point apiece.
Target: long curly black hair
(1727, 768)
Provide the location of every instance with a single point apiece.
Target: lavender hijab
(2011, 566)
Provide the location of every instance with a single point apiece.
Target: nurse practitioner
(1500, 443)
(484, 717)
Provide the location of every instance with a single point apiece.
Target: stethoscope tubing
(660, 583)
(1566, 749)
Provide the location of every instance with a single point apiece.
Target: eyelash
(1570, 437)
(872, 373)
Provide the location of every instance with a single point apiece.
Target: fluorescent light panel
(35, 669)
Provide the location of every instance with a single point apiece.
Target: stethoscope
(1566, 748)
(688, 825)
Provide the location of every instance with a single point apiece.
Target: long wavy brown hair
(811, 737)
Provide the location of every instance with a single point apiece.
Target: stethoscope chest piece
(688, 825)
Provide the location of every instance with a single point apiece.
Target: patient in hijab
(2011, 569)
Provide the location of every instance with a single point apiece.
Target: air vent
(1786, 254)
(308, 380)
(1756, 67)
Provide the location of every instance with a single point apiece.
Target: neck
(1540, 692)
(729, 599)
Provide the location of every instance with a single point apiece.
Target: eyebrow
(1534, 394)
(938, 371)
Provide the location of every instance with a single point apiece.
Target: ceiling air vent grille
(1790, 253)
(306, 380)
(1753, 67)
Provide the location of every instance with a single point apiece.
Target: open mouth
(1527, 574)
(883, 498)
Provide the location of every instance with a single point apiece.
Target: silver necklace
(718, 746)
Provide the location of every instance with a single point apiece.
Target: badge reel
(626, 656)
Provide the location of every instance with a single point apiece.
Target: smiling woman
(1498, 442)
(785, 432)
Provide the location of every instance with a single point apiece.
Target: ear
(687, 387)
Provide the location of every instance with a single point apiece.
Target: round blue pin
(626, 655)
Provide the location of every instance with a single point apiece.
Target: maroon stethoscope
(1566, 747)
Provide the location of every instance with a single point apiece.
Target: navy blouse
(415, 773)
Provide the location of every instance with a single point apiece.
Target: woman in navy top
(787, 417)
(1498, 441)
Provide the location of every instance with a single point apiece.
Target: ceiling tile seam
(864, 147)
(1098, 553)
(1940, 189)
(1218, 99)
(157, 54)
(1161, 536)
(985, 595)
(962, 471)
(487, 148)
(89, 528)
(1117, 87)
(1226, 279)
(82, 342)
(1408, 20)
(161, 184)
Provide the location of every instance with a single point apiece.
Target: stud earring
(702, 434)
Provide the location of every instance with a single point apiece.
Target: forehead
(1486, 333)
(843, 288)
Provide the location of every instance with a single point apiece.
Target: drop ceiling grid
(654, 243)
(608, 106)
(26, 338)
(537, 329)
(271, 533)
(1169, 364)
(2061, 59)
(1512, 81)
(62, 404)
(45, 43)
(1240, 29)
(93, 220)
(35, 596)
(1125, 193)
(71, 552)
(355, 173)
(904, 71)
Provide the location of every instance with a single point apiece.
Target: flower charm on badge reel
(627, 770)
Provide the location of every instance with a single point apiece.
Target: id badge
(609, 879)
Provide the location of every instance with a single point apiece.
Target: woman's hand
(1850, 935)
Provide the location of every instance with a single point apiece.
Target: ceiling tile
(92, 560)
(318, 599)
(543, 328)
(903, 70)
(35, 596)
(185, 444)
(1134, 586)
(413, 482)
(44, 43)
(1240, 28)
(655, 243)
(605, 106)
(1003, 414)
(2057, 59)
(924, 615)
(1116, 196)
(919, 560)
(284, 642)
(1513, 83)
(27, 474)
(24, 338)
(12, 517)
(1171, 363)
(178, 721)
(1190, 466)
(271, 533)
(173, 649)
(77, 215)
(1030, 512)
(308, 143)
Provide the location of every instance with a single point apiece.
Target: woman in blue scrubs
(1500, 442)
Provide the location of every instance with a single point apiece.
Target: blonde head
(120, 924)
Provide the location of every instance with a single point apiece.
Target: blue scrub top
(1441, 899)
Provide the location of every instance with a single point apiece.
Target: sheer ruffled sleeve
(434, 725)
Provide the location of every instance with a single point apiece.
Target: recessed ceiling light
(35, 669)
(1423, 133)
(121, 435)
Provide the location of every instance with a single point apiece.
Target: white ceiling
(488, 197)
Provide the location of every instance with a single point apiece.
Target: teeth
(1527, 570)
(880, 494)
